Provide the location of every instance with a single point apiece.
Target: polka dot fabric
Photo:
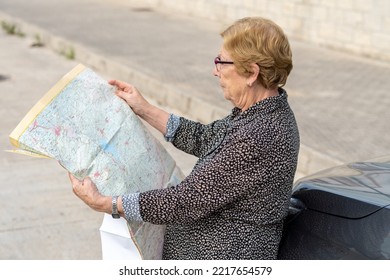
(233, 203)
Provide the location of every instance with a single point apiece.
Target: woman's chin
(225, 94)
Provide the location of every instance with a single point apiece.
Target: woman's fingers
(122, 86)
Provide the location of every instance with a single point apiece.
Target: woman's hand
(155, 116)
(131, 95)
(86, 190)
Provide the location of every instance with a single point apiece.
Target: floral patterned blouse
(232, 204)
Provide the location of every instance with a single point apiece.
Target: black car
(340, 213)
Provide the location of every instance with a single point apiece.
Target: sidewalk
(341, 102)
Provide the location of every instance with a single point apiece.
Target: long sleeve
(130, 203)
(247, 165)
(172, 126)
(199, 139)
(209, 188)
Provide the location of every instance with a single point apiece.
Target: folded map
(91, 132)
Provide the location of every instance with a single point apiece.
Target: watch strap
(115, 213)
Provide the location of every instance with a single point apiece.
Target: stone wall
(355, 26)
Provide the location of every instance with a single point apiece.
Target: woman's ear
(255, 70)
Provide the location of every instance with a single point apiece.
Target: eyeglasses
(218, 62)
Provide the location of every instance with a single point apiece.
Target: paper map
(91, 132)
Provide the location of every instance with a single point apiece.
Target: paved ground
(340, 101)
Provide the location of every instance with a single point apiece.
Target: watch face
(115, 216)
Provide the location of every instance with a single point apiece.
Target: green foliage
(11, 29)
(69, 53)
(37, 41)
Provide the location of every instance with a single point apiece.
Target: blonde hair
(261, 41)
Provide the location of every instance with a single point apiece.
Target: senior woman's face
(233, 84)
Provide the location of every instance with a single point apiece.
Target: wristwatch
(115, 213)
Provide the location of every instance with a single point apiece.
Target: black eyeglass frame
(217, 60)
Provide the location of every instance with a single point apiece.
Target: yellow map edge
(42, 103)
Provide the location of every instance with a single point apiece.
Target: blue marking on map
(108, 148)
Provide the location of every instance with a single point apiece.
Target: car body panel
(340, 213)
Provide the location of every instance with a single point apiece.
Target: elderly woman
(232, 204)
